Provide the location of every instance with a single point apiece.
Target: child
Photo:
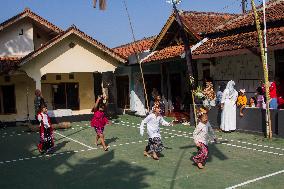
(153, 121)
(160, 103)
(242, 101)
(46, 143)
(99, 121)
(201, 135)
(209, 94)
(260, 100)
(252, 101)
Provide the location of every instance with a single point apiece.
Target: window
(71, 76)
(58, 77)
(66, 96)
(43, 78)
(7, 78)
(7, 99)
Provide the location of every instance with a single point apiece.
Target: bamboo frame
(137, 57)
(265, 70)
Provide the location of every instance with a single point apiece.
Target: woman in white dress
(228, 106)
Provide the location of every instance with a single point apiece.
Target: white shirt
(203, 133)
(153, 123)
(44, 118)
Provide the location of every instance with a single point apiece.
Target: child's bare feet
(106, 148)
(200, 166)
(146, 154)
(241, 114)
(155, 157)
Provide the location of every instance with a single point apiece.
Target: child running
(202, 134)
(99, 122)
(46, 143)
(153, 120)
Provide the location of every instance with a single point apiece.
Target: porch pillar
(38, 84)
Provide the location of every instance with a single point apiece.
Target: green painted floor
(238, 157)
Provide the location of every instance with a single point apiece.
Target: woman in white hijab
(228, 105)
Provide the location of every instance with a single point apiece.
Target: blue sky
(111, 26)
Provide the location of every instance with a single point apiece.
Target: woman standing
(38, 102)
(228, 106)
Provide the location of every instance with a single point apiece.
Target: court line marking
(90, 147)
(68, 152)
(185, 134)
(256, 179)
(243, 142)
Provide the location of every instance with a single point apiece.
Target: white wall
(13, 44)
(245, 70)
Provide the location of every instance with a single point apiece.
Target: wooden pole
(265, 71)
(188, 56)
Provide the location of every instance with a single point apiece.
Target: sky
(111, 26)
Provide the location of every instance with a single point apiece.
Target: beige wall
(86, 88)
(22, 83)
(13, 44)
(60, 58)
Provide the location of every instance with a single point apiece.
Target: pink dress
(260, 102)
(99, 121)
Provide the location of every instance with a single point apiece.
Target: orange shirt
(242, 100)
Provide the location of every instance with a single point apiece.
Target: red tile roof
(134, 47)
(205, 22)
(166, 53)
(76, 31)
(196, 24)
(240, 34)
(239, 41)
(27, 13)
(274, 12)
(8, 63)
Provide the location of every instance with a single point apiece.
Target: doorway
(123, 100)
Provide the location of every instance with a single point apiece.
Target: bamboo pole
(265, 71)
(194, 108)
(137, 57)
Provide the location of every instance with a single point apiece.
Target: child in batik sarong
(153, 120)
(202, 134)
(46, 143)
(99, 122)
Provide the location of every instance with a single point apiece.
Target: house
(69, 67)
(232, 50)
(163, 67)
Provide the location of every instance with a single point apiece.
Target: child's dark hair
(102, 105)
(254, 99)
(259, 91)
(201, 111)
(42, 106)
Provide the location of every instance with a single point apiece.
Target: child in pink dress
(99, 122)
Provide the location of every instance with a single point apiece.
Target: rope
(137, 55)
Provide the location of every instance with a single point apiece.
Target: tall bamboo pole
(265, 70)
(137, 56)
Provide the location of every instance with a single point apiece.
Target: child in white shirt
(202, 134)
(153, 121)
